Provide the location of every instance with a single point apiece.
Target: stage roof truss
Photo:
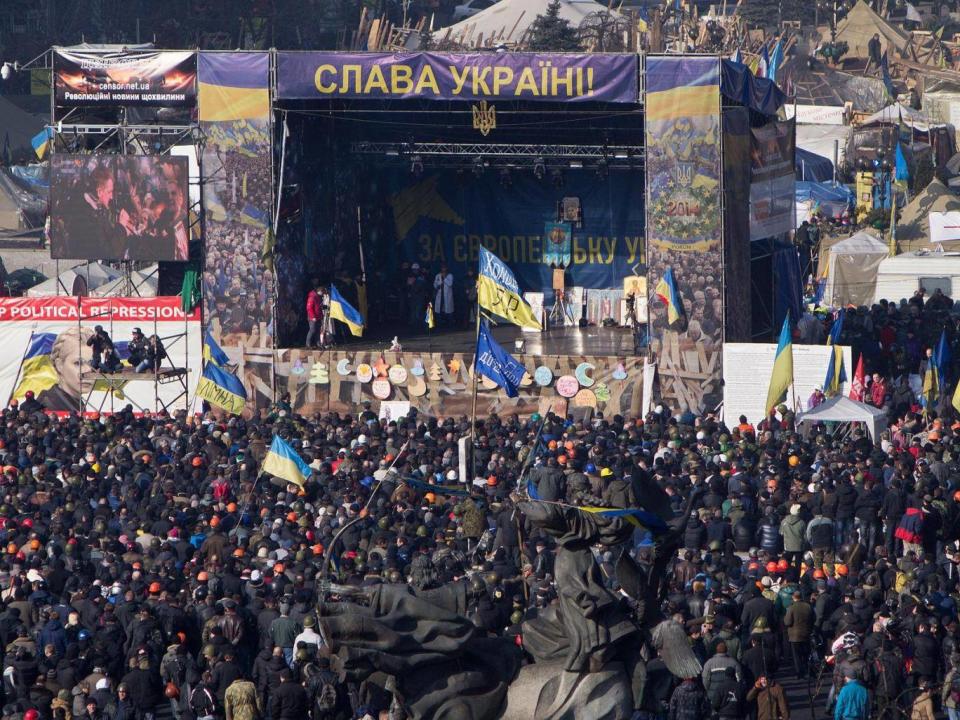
(610, 153)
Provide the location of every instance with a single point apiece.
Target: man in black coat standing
(289, 700)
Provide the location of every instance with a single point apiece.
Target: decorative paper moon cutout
(582, 374)
(567, 386)
(397, 374)
(381, 388)
(543, 376)
(344, 367)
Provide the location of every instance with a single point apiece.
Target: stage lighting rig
(416, 165)
(539, 168)
(478, 166)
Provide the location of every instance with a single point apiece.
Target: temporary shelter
(507, 21)
(860, 24)
(900, 276)
(78, 280)
(913, 228)
(850, 268)
(841, 409)
(829, 199)
(143, 283)
(810, 166)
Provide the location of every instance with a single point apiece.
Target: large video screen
(119, 207)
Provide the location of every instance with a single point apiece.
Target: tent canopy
(143, 283)
(844, 409)
(860, 24)
(96, 275)
(508, 20)
(913, 229)
(810, 166)
(851, 267)
(831, 199)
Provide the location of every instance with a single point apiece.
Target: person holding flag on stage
(343, 311)
(666, 291)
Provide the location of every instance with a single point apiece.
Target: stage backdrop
(444, 218)
(43, 348)
(684, 226)
(237, 194)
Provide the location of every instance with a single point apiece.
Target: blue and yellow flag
(36, 371)
(41, 142)
(220, 388)
(498, 292)
(343, 311)
(429, 318)
(283, 462)
(941, 361)
(634, 516)
(495, 363)
(666, 290)
(254, 216)
(836, 372)
(782, 376)
(212, 352)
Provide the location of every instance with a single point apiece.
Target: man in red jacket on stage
(315, 314)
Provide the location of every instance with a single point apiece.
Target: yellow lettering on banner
(579, 82)
(401, 79)
(635, 249)
(427, 80)
(438, 252)
(567, 82)
(459, 249)
(474, 247)
(425, 242)
(520, 248)
(527, 83)
(579, 254)
(318, 79)
(480, 80)
(349, 70)
(593, 249)
(545, 78)
(611, 244)
(534, 247)
(376, 80)
(502, 77)
(590, 80)
(459, 80)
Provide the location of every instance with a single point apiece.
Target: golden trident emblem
(484, 117)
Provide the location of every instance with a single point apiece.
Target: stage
(588, 341)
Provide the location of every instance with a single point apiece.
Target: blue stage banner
(445, 217)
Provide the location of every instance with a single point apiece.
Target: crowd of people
(149, 569)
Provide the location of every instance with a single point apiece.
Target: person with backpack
(887, 680)
(328, 698)
(203, 701)
(725, 694)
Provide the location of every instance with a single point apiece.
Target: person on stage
(443, 301)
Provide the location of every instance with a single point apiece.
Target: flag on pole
(776, 58)
(212, 352)
(782, 376)
(913, 14)
(283, 462)
(902, 171)
(737, 56)
(223, 389)
(343, 311)
(887, 81)
(429, 318)
(496, 363)
(666, 290)
(956, 398)
(498, 292)
(836, 372)
(41, 142)
(941, 361)
(858, 386)
(763, 67)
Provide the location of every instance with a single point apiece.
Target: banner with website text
(568, 77)
(43, 349)
(124, 77)
(684, 227)
(234, 110)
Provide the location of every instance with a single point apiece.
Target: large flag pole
(476, 382)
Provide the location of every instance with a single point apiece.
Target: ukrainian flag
(782, 376)
(836, 373)
(222, 389)
(253, 216)
(666, 290)
(36, 371)
(429, 319)
(41, 142)
(498, 292)
(634, 516)
(283, 462)
(212, 352)
(343, 311)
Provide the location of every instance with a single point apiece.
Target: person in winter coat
(819, 534)
(799, 623)
(769, 699)
(768, 534)
(289, 700)
(922, 708)
(950, 694)
(853, 702)
(910, 530)
(240, 701)
(688, 702)
(846, 507)
(792, 529)
(695, 534)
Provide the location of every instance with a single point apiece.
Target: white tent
(93, 275)
(507, 21)
(851, 268)
(843, 409)
(143, 283)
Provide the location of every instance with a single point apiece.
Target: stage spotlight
(576, 164)
(602, 168)
(556, 177)
(505, 179)
(6, 70)
(622, 155)
(539, 168)
(478, 166)
(416, 165)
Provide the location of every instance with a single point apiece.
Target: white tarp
(746, 377)
(852, 268)
(508, 20)
(843, 409)
(944, 226)
(821, 140)
(143, 283)
(94, 275)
